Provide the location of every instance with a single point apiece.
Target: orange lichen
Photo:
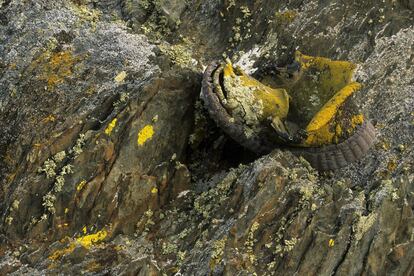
(55, 67)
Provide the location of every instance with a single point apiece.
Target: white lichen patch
(49, 167)
(168, 248)
(364, 224)
(49, 202)
(247, 59)
(77, 149)
(241, 99)
(58, 157)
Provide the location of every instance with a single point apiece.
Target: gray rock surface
(108, 165)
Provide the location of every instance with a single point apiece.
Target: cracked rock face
(109, 166)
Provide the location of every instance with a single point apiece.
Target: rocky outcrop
(109, 163)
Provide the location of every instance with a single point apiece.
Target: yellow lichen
(62, 252)
(89, 240)
(356, 120)
(331, 243)
(154, 190)
(120, 77)
(86, 241)
(275, 101)
(110, 127)
(80, 186)
(320, 91)
(330, 109)
(145, 134)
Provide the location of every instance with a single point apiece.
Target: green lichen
(168, 248)
(77, 148)
(363, 225)
(179, 54)
(285, 17)
(217, 252)
(285, 247)
(86, 15)
(49, 168)
(208, 201)
(58, 157)
(250, 241)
